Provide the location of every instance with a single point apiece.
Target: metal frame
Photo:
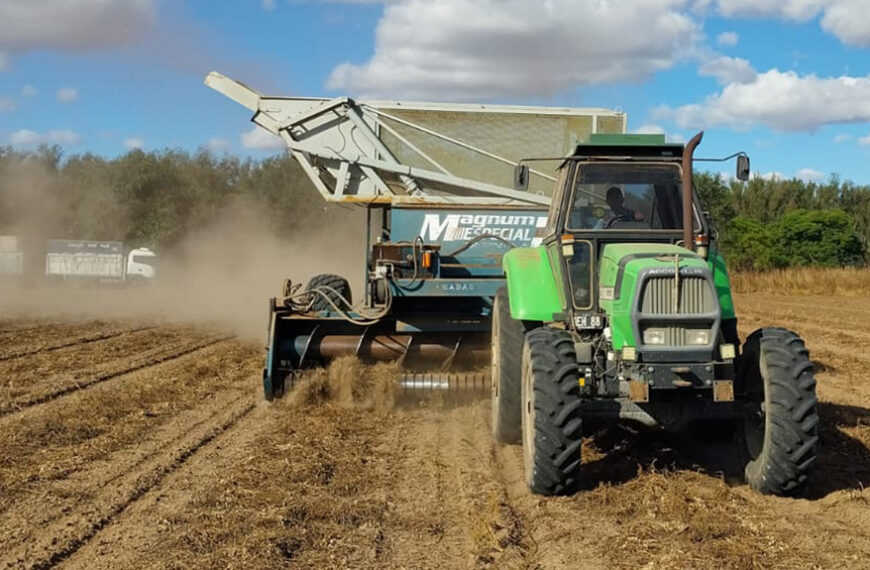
(364, 170)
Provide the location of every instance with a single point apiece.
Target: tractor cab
(617, 189)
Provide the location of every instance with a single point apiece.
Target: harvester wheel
(551, 412)
(506, 373)
(779, 430)
(337, 283)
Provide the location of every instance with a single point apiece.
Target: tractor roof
(634, 145)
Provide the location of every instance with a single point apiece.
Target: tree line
(157, 198)
(154, 199)
(776, 223)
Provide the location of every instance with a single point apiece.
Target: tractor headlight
(653, 336)
(698, 337)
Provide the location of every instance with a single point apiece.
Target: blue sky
(787, 81)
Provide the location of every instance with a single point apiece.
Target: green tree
(816, 238)
(747, 244)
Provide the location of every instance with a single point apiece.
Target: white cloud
(26, 137)
(67, 94)
(28, 90)
(773, 175)
(649, 130)
(729, 70)
(796, 10)
(260, 139)
(27, 25)
(841, 138)
(805, 174)
(845, 19)
(481, 49)
(219, 145)
(658, 130)
(848, 20)
(780, 100)
(727, 39)
(134, 142)
(809, 175)
(268, 5)
(864, 141)
(7, 105)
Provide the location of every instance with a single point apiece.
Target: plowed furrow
(73, 342)
(63, 537)
(8, 331)
(158, 356)
(50, 500)
(49, 442)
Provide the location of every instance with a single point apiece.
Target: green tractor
(624, 312)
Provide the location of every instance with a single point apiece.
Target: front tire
(551, 412)
(506, 373)
(779, 432)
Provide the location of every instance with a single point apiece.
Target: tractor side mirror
(742, 167)
(521, 177)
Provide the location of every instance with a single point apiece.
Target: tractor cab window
(556, 200)
(626, 196)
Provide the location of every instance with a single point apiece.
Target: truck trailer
(107, 262)
(11, 258)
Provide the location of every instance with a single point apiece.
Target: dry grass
(838, 281)
(685, 519)
(349, 383)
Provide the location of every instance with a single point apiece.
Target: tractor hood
(659, 298)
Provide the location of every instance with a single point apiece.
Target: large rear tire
(506, 373)
(551, 412)
(337, 284)
(779, 433)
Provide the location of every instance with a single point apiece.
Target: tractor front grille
(695, 296)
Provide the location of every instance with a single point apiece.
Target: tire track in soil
(38, 328)
(20, 329)
(63, 537)
(59, 495)
(50, 442)
(455, 510)
(424, 495)
(242, 501)
(550, 522)
(76, 341)
(159, 357)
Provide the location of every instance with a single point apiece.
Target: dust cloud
(222, 275)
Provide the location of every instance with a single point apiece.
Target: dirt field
(141, 445)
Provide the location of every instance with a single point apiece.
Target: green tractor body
(625, 313)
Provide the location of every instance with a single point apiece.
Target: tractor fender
(533, 291)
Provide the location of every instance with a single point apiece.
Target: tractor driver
(618, 211)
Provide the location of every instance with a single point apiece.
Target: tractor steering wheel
(620, 218)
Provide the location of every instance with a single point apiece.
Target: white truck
(100, 261)
(11, 257)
